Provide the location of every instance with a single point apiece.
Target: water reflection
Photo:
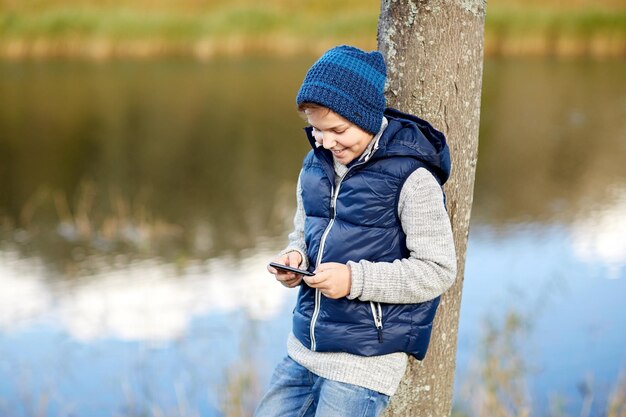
(145, 338)
(182, 160)
(599, 237)
(142, 301)
(552, 141)
(139, 202)
(207, 148)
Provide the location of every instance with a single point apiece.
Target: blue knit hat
(351, 83)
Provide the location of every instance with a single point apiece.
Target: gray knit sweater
(425, 274)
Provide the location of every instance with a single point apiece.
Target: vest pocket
(377, 314)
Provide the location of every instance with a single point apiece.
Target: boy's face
(344, 139)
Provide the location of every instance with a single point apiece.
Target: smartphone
(291, 269)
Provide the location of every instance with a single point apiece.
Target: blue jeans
(296, 392)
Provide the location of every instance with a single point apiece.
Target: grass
(49, 27)
(544, 31)
(497, 383)
(70, 234)
(128, 23)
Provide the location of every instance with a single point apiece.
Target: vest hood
(408, 135)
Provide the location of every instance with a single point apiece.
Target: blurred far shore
(204, 29)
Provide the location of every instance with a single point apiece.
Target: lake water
(140, 201)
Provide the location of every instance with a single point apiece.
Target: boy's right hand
(288, 279)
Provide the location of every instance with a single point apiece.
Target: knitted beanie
(351, 83)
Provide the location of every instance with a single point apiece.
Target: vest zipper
(377, 313)
(320, 251)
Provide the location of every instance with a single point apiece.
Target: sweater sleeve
(296, 237)
(430, 268)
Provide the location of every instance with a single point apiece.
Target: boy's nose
(328, 141)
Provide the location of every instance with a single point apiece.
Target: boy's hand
(333, 279)
(288, 279)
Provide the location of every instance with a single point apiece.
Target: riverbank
(111, 30)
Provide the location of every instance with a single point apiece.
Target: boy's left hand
(333, 279)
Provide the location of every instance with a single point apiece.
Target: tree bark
(434, 55)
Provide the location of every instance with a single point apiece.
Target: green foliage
(127, 23)
(191, 20)
(528, 21)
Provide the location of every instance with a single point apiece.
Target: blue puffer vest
(359, 220)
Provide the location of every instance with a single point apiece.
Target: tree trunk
(434, 55)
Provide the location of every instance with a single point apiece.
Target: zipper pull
(377, 314)
(379, 325)
(332, 203)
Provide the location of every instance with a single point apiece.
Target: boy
(371, 223)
